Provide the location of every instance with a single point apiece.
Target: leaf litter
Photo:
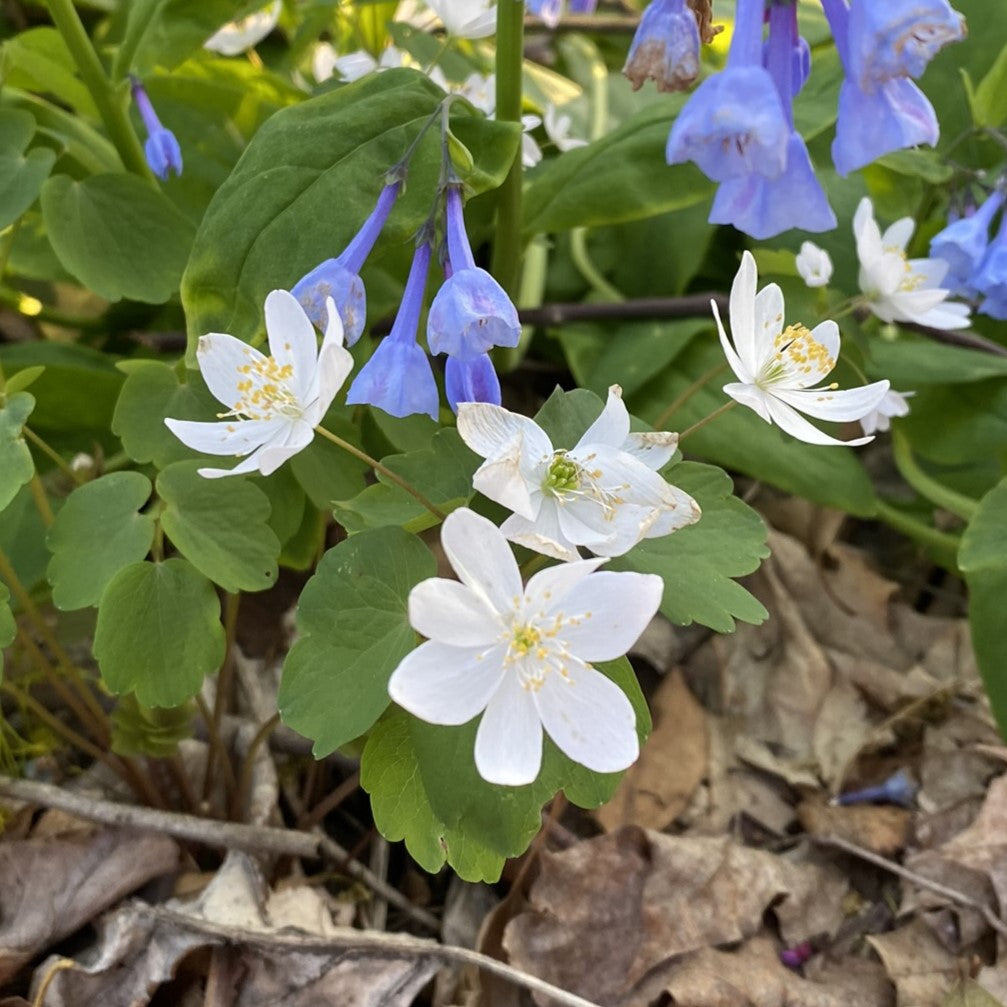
(722, 874)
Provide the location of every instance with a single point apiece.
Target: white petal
(791, 421)
(297, 437)
(612, 425)
(234, 437)
(947, 316)
(491, 430)
(605, 613)
(768, 325)
(291, 339)
(480, 555)
(655, 449)
(547, 589)
(575, 529)
(589, 717)
(686, 512)
(749, 395)
(249, 464)
(836, 406)
(541, 535)
(449, 612)
(220, 356)
(898, 235)
(509, 740)
(743, 315)
(741, 372)
(447, 685)
(933, 271)
(334, 365)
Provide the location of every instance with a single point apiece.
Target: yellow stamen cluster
(265, 391)
(796, 351)
(536, 650)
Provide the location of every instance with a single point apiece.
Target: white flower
(893, 404)
(353, 65)
(604, 494)
(523, 654)
(814, 265)
(237, 36)
(776, 367)
(480, 90)
(531, 152)
(557, 128)
(273, 403)
(900, 289)
(466, 18)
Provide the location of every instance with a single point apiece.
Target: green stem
(386, 472)
(943, 546)
(510, 61)
(587, 269)
(51, 453)
(7, 244)
(530, 294)
(696, 386)
(937, 493)
(706, 419)
(112, 112)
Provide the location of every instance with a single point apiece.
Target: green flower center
(563, 475)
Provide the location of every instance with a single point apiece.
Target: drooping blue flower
(735, 123)
(963, 244)
(339, 278)
(471, 312)
(763, 206)
(800, 58)
(898, 38)
(398, 377)
(471, 381)
(990, 279)
(161, 149)
(893, 115)
(665, 48)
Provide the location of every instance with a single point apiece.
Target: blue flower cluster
(738, 126)
(470, 314)
(976, 253)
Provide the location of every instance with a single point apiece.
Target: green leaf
(990, 99)
(96, 533)
(389, 772)
(221, 526)
(162, 33)
(909, 362)
(145, 731)
(741, 441)
(982, 559)
(39, 60)
(354, 626)
(8, 628)
(273, 219)
(21, 175)
(442, 473)
(150, 393)
(159, 633)
(698, 563)
(16, 464)
(325, 471)
(21, 380)
(118, 235)
(623, 176)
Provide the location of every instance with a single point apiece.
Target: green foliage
(96, 533)
(989, 102)
(221, 526)
(21, 174)
(274, 218)
(117, 234)
(159, 633)
(324, 470)
(354, 629)
(38, 59)
(982, 560)
(16, 464)
(152, 732)
(8, 628)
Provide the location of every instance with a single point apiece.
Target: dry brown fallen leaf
(921, 968)
(607, 911)
(673, 762)
(883, 829)
(52, 886)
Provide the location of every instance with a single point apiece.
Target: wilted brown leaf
(673, 762)
(52, 886)
(921, 968)
(883, 829)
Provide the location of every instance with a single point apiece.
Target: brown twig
(375, 942)
(211, 832)
(951, 894)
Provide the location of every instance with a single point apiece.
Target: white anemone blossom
(325, 62)
(466, 18)
(776, 367)
(814, 265)
(605, 493)
(273, 403)
(899, 289)
(557, 127)
(238, 36)
(892, 406)
(523, 654)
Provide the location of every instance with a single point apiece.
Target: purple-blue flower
(339, 278)
(398, 377)
(963, 244)
(471, 381)
(898, 38)
(991, 277)
(800, 61)
(550, 11)
(161, 149)
(892, 115)
(665, 47)
(735, 123)
(471, 312)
